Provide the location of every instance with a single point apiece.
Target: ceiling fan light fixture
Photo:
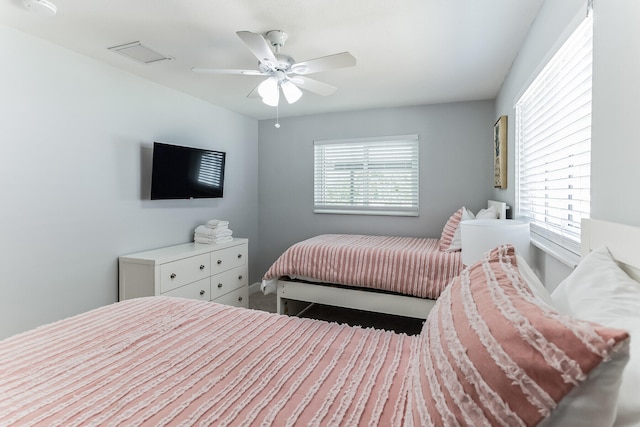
(268, 87)
(269, 91)
(272, 101)
(290, 91)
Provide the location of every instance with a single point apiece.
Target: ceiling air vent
(139, 52)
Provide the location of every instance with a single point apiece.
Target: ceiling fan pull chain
(277, 125)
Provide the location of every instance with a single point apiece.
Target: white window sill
(556, 251)
(364, 212)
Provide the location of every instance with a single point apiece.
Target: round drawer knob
(239, 298)
(239, 256)
(219, 285)
(201, 267)
(173, 275)
(219, 261)
(202, 292)
(240, 277)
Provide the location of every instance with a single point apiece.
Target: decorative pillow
(456, 241)
(491, 354)
(598, 290)
(449, 229)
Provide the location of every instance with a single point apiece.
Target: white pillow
(489, 213)
(598, 290)
(592, 404)
(456, 241)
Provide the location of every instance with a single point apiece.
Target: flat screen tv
(186, 173)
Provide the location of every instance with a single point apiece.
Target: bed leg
(280, 305)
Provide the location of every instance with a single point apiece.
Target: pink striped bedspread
(164, 361)
(406, 265)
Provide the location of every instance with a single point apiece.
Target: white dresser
(192, 270)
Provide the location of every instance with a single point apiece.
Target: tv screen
(186, 173)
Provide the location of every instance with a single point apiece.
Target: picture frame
(500, 153)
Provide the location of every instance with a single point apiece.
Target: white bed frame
(622, 240)
(293, 297)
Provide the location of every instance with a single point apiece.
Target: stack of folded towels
(213, 232)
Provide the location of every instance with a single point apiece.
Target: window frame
(368, 205)
(562, 241)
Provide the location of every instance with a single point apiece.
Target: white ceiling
(409, 52)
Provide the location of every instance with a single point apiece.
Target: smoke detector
(42, 7)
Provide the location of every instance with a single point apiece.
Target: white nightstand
(479, 236)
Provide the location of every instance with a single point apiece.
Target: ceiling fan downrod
(276, 38)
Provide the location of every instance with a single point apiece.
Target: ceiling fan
(282, 72)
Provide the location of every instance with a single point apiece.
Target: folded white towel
(201, 230)
(218, 227)
(217, 223)
(212, 240)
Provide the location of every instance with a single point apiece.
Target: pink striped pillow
(493, 354)
(449, 230)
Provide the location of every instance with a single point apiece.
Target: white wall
(615, 149)
(455, 170)
(75, 144)
(554, 23)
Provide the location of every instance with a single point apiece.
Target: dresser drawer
(229, 258)
(181, 272)
(196, 290)
(228, 281)
(237, 298)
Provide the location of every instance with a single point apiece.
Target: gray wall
(455, 170)
(616, 103)
(76, 140)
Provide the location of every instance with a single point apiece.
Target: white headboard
(622, 240)
(501, 207)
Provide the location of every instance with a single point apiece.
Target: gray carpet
(366, 319)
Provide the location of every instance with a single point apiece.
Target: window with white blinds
(376, 176)
(553, 133)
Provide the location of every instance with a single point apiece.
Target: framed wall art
(500, 153)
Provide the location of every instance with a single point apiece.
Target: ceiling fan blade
(338, 60)
(228, 71)
(258, 46)
(314, 86)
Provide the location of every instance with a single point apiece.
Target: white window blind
(367, 176)
(553, 132)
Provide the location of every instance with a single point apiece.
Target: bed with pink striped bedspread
(405, 265)
(165, 361)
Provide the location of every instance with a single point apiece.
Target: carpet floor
(400, 324)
